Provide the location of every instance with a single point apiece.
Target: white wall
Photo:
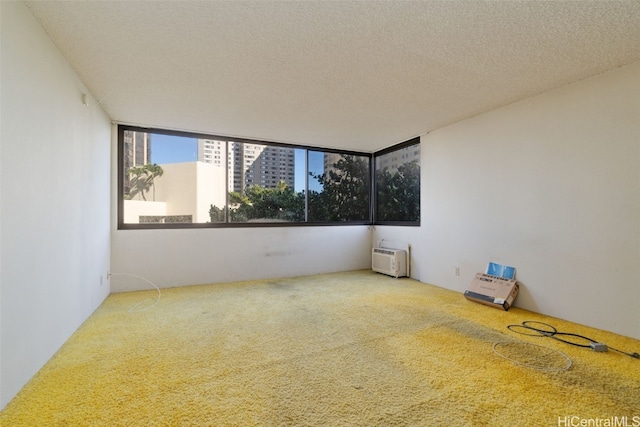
(178, 257)
(55, 213)
(550, 185)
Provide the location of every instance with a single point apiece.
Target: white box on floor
(492, 291)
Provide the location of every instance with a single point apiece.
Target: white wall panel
(179, 257)
(55, 186)
(550, 185)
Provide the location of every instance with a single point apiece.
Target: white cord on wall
(135, 308)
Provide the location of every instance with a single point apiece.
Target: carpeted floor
(345, 349)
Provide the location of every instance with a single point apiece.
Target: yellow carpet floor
(344, 349)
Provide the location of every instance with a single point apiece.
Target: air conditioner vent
(384, 251)
(392, 262)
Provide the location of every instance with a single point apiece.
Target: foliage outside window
(141, 179)
(176, 179)
(339, 187)
(397, 184)
(262, 204)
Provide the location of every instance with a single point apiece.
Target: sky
(173, 149)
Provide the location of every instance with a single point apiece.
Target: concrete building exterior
(186, 191)
(393, 160)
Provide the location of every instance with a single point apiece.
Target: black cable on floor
(539, 329)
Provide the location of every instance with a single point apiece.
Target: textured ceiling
(357, 75)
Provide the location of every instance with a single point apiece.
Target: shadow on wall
(525, 299)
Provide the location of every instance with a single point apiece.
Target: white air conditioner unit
(392, 262)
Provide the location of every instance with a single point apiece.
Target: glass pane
(338, 187)
(183, 179)
(398, 185)
(173, 179)
(262, 183)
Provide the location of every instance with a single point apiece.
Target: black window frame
(121, 225)
(374, 190)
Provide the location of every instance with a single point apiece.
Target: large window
(397, 184)
(174, 180)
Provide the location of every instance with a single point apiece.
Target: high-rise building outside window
(169, 179)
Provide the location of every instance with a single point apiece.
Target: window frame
(121, 225)
(374, 189)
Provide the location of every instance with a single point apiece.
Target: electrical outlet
(456, 271)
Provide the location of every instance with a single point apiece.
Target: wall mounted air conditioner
(392, 262)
